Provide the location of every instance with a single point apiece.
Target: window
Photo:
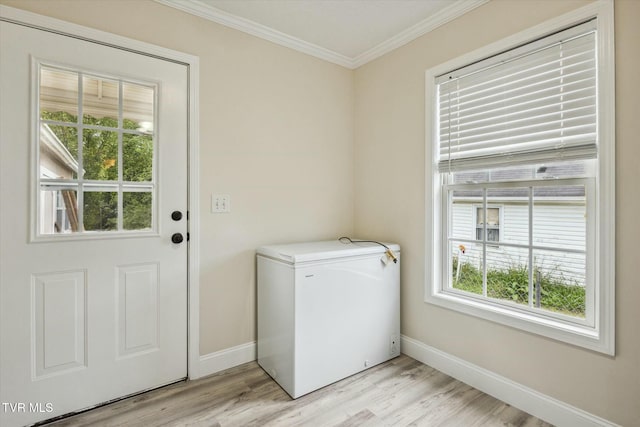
(522, 181)
(61, 223)
(491, 226)
(95, 153)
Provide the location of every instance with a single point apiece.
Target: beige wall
(276, 134)
(389, 155)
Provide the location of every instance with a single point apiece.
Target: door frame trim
(192, 62)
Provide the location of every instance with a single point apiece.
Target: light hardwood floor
(401, 392)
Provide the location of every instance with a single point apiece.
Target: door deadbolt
(176, 215)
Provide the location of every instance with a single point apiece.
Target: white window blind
(531, 104)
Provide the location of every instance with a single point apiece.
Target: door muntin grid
(96, 139)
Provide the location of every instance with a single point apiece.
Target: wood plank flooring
(401, 392)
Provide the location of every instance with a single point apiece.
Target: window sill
(578, 335)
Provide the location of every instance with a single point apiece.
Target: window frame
(600, 336)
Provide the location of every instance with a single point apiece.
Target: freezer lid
(315, 251)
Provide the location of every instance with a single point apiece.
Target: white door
(93, 163)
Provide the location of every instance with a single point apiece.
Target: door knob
(176, 215)
(177, 238)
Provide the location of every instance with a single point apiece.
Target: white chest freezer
(326, 310)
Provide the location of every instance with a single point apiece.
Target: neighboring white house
(58, 207)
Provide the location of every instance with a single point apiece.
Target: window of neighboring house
(491, 225)
(523, 137)
(61, 224)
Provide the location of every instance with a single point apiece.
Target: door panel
(85, 316)
(59, 308)
(137, 309)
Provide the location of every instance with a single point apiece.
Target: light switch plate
(220, 203)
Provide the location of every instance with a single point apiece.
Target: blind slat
(524, 130)
(562, 136)
(559, 100)
(522, 70)
(523, 157)
(560, 85)
(537, 115)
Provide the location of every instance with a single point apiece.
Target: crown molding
(449, 13)
(203, 10)
(198, 8)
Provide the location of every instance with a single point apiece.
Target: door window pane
(137, 208)
(58, 152)
(100, 155)
(58, 210)
(100, 210)
(58, 95)
(100, 101)
(137, 105)
(137, 157)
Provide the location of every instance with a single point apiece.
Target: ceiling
(346, 32)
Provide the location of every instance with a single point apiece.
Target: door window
(96, 153)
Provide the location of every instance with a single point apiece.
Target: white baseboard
(227, 358)
(535, 403)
